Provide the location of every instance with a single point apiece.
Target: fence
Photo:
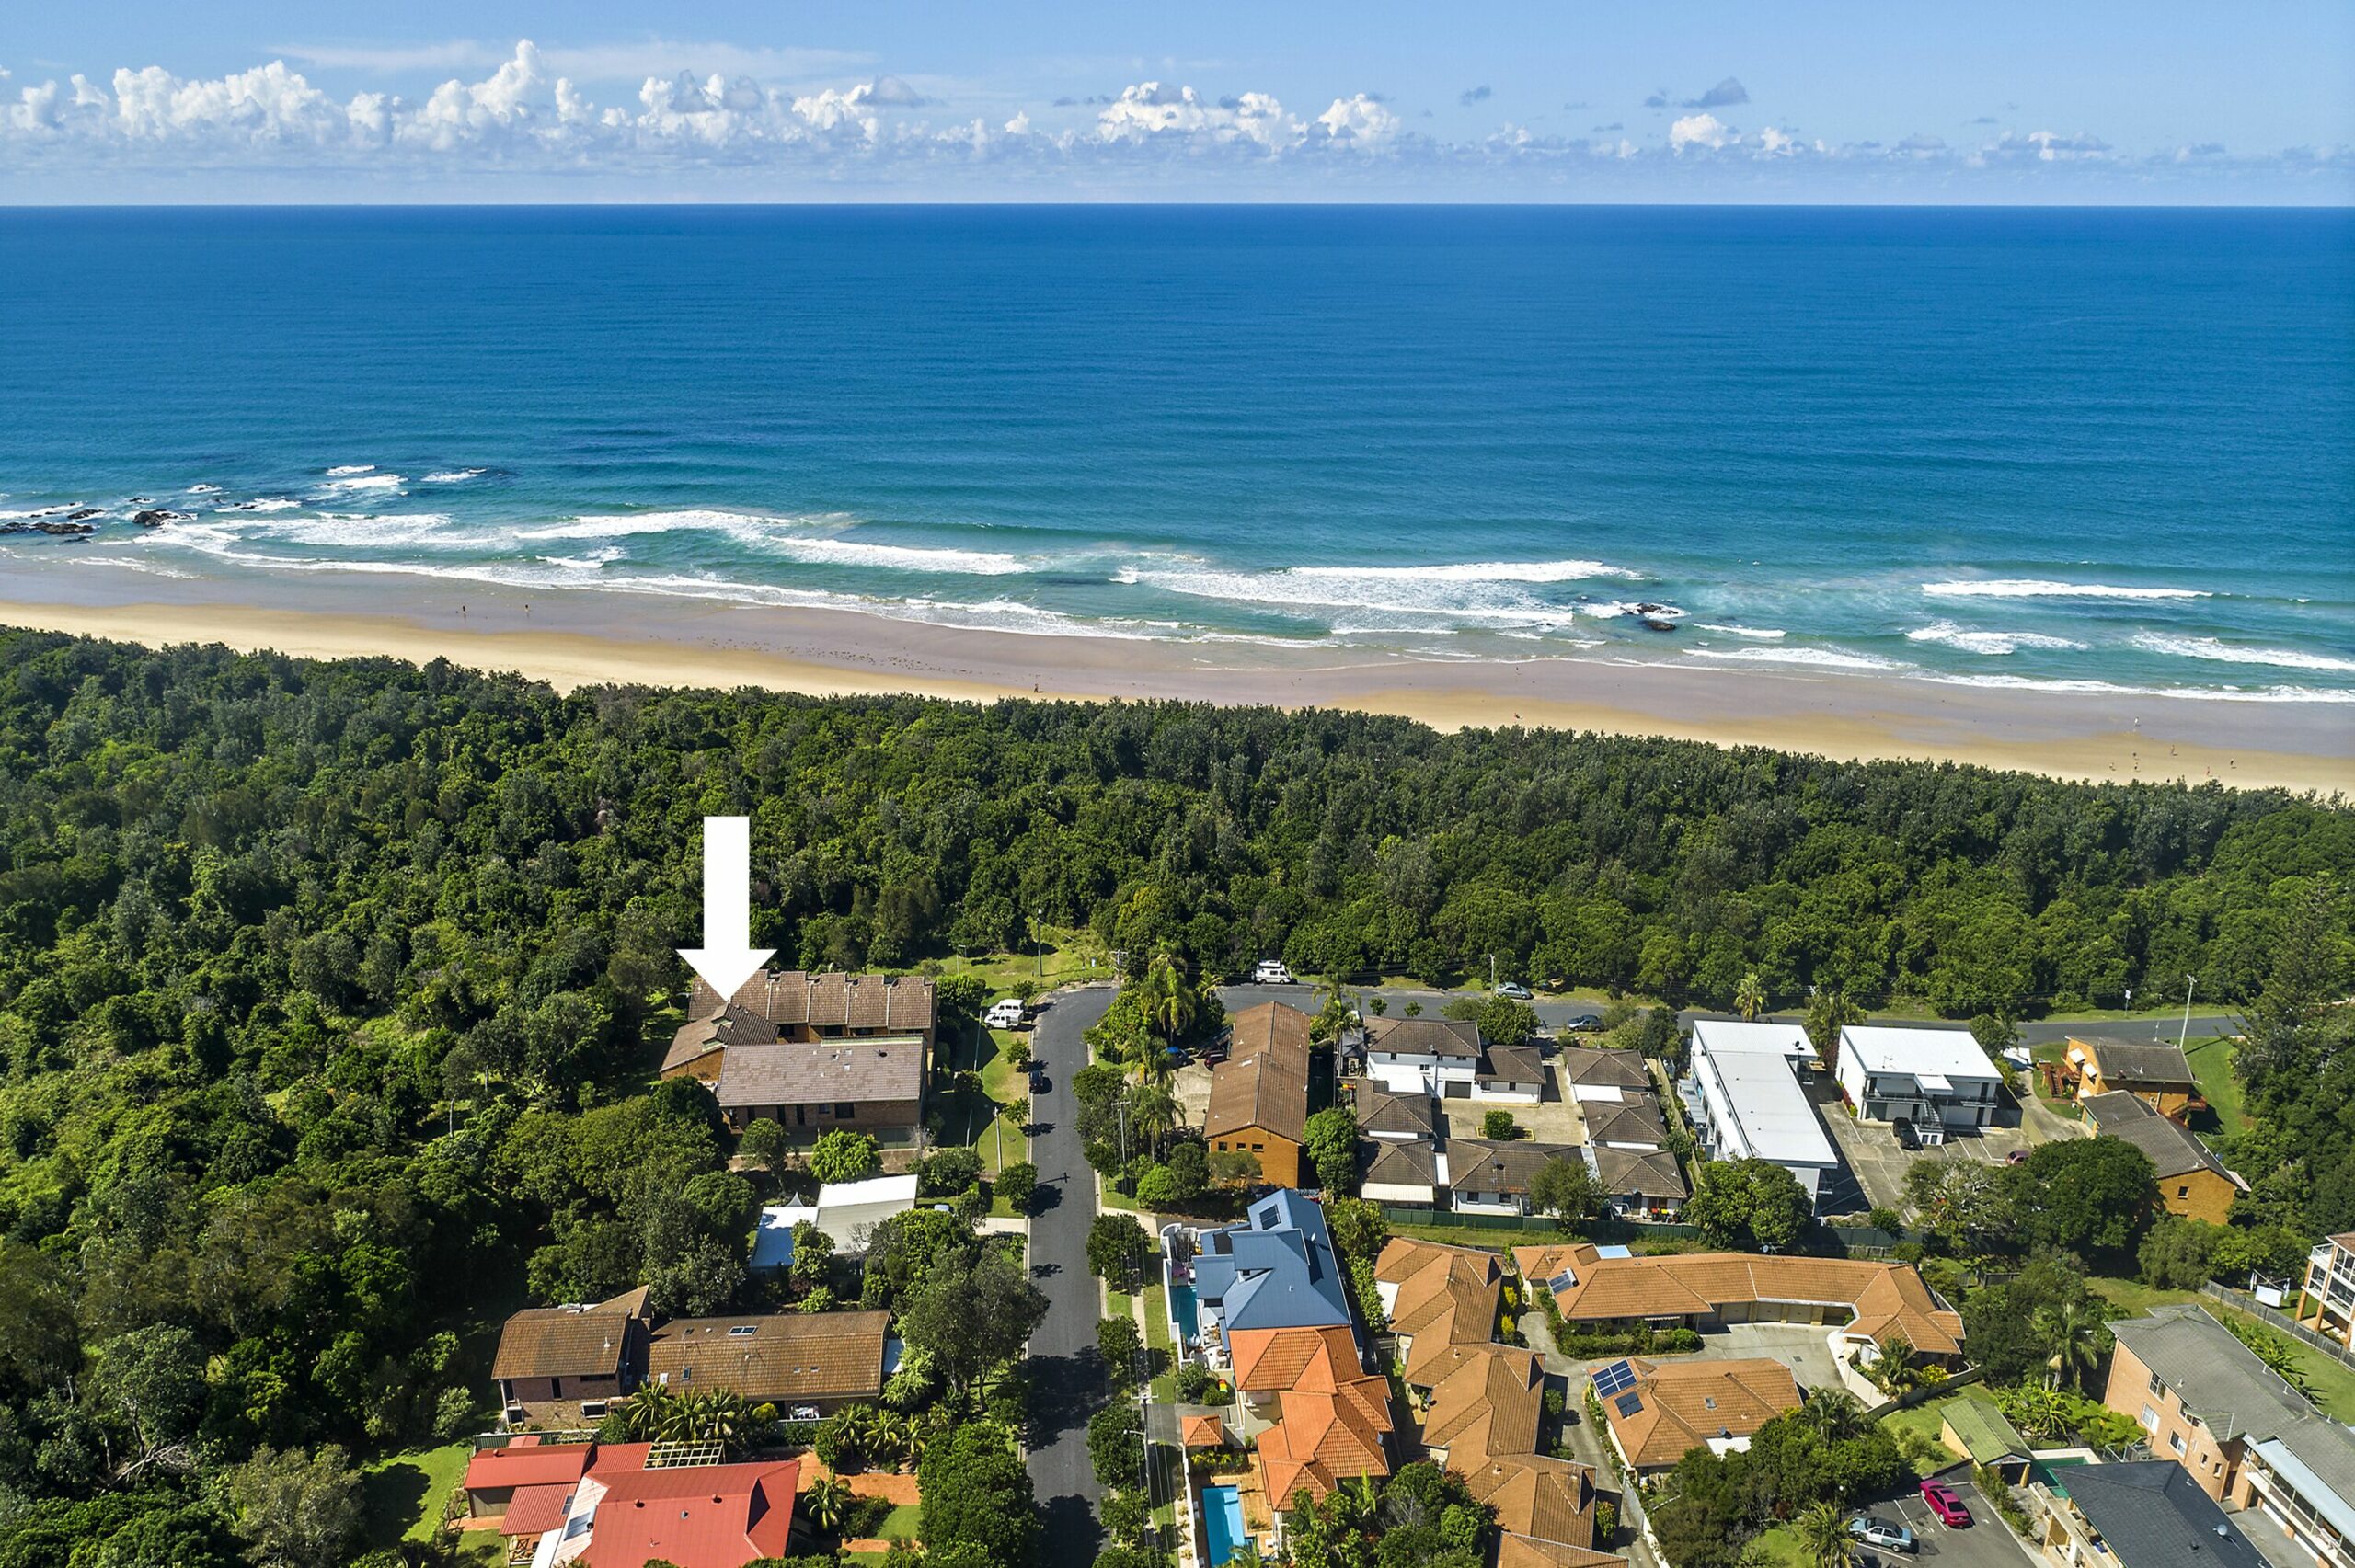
(2282, 1320)
(1852, 1238)
(1924, 1393)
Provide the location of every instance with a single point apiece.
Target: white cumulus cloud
(1705, 131)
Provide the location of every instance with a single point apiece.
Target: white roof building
(1742, 1087)
(1934, 1078)
(846, 1211)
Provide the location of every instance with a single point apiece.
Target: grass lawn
(2212, 1064)
(1928, 1417)
(1777, 1548)
(1069, 956)
(404, 1494)
(1157, 1336)
(2133, 1297)
(900, 1524)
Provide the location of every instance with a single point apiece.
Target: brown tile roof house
(1436, 1297)
(872, 1084)
(1271, 1029)
(1634, 1122)
(1640, 1180)
(1707, 1287)
(1395, 1165)
(2192, 1182)
(1384, 1115)
(1333, 1417)
(1488, 1403)
(1545, 1509)
(2124, 1064)
(807, 1006)
(701, 1044)
(1602, 1069)
(1512, 1068)
(1476, 1165)
(1423, 1036)
(782, 1358)
(1259, 1095)
(552, 1360)
(1675, 1407)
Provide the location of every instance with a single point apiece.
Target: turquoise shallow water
(2081, 448)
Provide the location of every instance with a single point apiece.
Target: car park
(1887, 1534)
(1514, 990)
(1944, 1503)
(1005, 1013)
(1272, 972)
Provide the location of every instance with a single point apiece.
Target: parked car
(1514, 990)
(2017, 1157)
(1907, 1139)
(1272, 972)
(1004, 1013)
(1584, 1024)
(1885, 1533)
(1945, 1503)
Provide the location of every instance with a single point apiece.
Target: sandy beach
(577, 638)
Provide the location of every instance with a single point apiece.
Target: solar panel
(1628, 1403)
(1562, 1281)
(1614, 1379)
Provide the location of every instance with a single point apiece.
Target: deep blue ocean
(2074, 446)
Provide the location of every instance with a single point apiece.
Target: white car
(1004, 1014)
(1272, 973)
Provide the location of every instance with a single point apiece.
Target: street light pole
(2190, 983)
(1037, 943)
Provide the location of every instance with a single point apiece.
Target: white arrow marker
(728, 958)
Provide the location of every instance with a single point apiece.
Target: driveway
(1985, 1542)
(1067, 1379)
(1803, 1348)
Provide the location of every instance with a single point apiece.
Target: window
(2175, 1441)
(2150, 1419)
(844, 1110)
(743, 1330)
(2157, 1387)
(2183, 1191)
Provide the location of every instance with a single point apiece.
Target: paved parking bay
(1985, 1542)
(1804, 1348)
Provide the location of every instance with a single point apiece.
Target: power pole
(2190, 983)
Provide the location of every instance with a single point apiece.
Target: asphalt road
(1554, 1013)
(1067, 1378)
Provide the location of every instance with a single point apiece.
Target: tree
(972, 1316)
(1504, 1021)
(1114, 1249)
(814, 1255)
(1171, 1001)
(293, 1509)
(1498, 1125)
(2086, 1194)
(845, 1155)
(1233, 1168)
(1750, 997)
(826, 1501)
(1019, 1185)
(1152, 1112)
(1566, 1189)
(151, 1380)
(1116, 1445)
(1829, 1011)
(1965, 1204)
(948, 1172)
(1330, 1141)
(2177, 1254)
(766, 1145)
(1823, 1537)
(1752, 1205)
(1999, 1320)
(1119, 1343)
(2074, 1339)
(976, 1495)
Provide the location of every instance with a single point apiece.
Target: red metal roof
(529, 1464)
(695, 1517)
(534, 1509)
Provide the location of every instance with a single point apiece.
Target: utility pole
(1039, 943)
(2190, 983)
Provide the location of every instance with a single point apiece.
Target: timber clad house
(1259, 1095)
(562, 1366)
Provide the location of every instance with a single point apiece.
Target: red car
(1944, 1503)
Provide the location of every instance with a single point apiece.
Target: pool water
(1183, 1314)
(2044, 1470)
(1221, 1523)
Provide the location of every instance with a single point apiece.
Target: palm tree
(895, 1436)
(2071, 1334)
(1823, 1537)
(867, 1429)
(1750, 997)
(1153, 1111)
(1355, 1504)
(645, 1414)
(826, 1501)
(1896, 1358)
(1833, 1413)
(1170, 1002)
(2034, 1409)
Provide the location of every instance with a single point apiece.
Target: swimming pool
(1221, 1523)
(1183, 1314)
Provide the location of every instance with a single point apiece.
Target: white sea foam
(1407, 597)
(265, 504)
(348, 469)
(1469, 571)
(791, 539)
(2193, 693)
(752, 527)
(1825, 659)
(2227, 653)
(454, 475)
(1991, 643)
(2039, 588)
(204, 489)
(362, 482)
(1762, 633)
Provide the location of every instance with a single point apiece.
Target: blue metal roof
(1276, 1269)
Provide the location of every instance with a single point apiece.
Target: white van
(1272, 972)
(1004, 1013)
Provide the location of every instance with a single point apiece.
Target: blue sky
(2086, 100)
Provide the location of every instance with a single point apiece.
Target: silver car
(1887, 1534)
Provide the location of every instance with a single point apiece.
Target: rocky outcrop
(156, 517)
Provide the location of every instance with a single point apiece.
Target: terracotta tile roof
(698, 1037)
(1539, 1264)
(1487, 1405)
(1380, 1111)
(822, 1072)
(535, 1510)
(1203, 1432)
(1682, 1405)
(1884, 1296)
(1446, 1295)
(1546, 1500)
(776, 1356)
(695, 1516)
(1263, 1090)
(794, 997)
(1321, 1440)
(1271, 1029)
(1521, 1551)
(567, 1342)
(529, 1463)
(1309, 1360)
(1646, 1173)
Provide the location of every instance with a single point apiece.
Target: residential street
(1065, 1378)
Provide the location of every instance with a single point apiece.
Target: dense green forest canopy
(324, 987)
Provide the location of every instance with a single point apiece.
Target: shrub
(948, 1172)
(1498, 1125)
(1191, 1379)
(1019, 1185)
(842, 1155)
